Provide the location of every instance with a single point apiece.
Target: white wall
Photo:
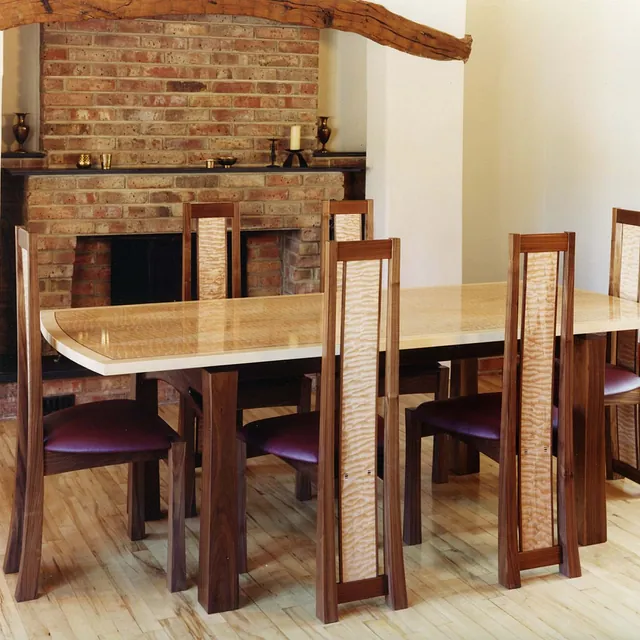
(552, 127)
(414, 148)
(342, 91)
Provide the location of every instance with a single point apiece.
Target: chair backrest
(624, 279)
(345, 221)
(622, 346)
(29, 397)
(349, 427)
(527, 532)
(210, 221)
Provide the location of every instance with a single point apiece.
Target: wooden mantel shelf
(177, 171)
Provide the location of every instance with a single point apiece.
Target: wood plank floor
(97, 584)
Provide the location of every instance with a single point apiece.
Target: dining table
(226, 342)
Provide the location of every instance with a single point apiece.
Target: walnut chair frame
(356, 437)
(33, 462)
(623, 442)
(528, 537)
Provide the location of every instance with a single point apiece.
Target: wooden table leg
(464, 382)
(218, 586)
(589, 438)
(145, 390)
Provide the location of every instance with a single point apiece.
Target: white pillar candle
(294, 144)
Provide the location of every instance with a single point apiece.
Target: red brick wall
(91, 281)
(66, 209)
(175, 91)
(264, 264)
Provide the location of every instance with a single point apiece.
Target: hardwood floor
(97, 584)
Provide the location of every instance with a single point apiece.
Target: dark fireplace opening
(136, 269)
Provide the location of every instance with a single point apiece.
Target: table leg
(464, 382)
(589, 438)
(145, 391)
(218, 587)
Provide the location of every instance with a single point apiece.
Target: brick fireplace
(162, 95)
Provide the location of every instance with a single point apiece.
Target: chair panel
(347, 227)
(630, 261)
(539, 330)
(212, 258)
(627, 434)
(359, 380)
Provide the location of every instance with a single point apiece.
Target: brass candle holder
(84, 161)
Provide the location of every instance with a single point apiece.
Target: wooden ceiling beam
(367, 19)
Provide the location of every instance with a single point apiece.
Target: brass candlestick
(293, 154)
(273, 153)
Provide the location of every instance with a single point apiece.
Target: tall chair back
(345, 221)
(624, 280)
(349, 428)
(29, 341)
(528, 537)
(210, 222)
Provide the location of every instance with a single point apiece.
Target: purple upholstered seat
(618, 380)
(475, 416)
(294, 437)
(110, 426)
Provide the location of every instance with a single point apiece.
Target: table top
(186, 335)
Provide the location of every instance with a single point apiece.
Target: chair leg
(441, 459)
(14, 540)
(242, 507)
(441, 454)
(176, 552)
(303, 484)
(31, 552)
(186, 429)
(508, 561)
(135, 499)
(608, 442)
(412, 528)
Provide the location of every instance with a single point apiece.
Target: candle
(294, 145)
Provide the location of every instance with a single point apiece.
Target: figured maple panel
(627, 434)
(536, 506)
(212, 258)
(630, 262)
(359, 350)
(347, 227)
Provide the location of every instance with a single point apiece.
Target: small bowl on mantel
(226, 161)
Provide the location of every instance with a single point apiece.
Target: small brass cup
(105, 160)
(210, 163)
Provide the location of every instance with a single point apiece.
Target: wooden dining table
(224, 342)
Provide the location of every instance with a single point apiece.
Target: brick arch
(370, 20)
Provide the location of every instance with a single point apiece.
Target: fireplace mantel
(179, 171)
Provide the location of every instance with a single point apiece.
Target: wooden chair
(353, 220)
(346, 436)
(211, 221)
(622, 379)
(519, 427)
(81, 437)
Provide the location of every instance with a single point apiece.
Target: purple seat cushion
(111, 426)
(473, 416)
(617, 380)
(293, 437)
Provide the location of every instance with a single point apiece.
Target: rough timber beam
(370, 20)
